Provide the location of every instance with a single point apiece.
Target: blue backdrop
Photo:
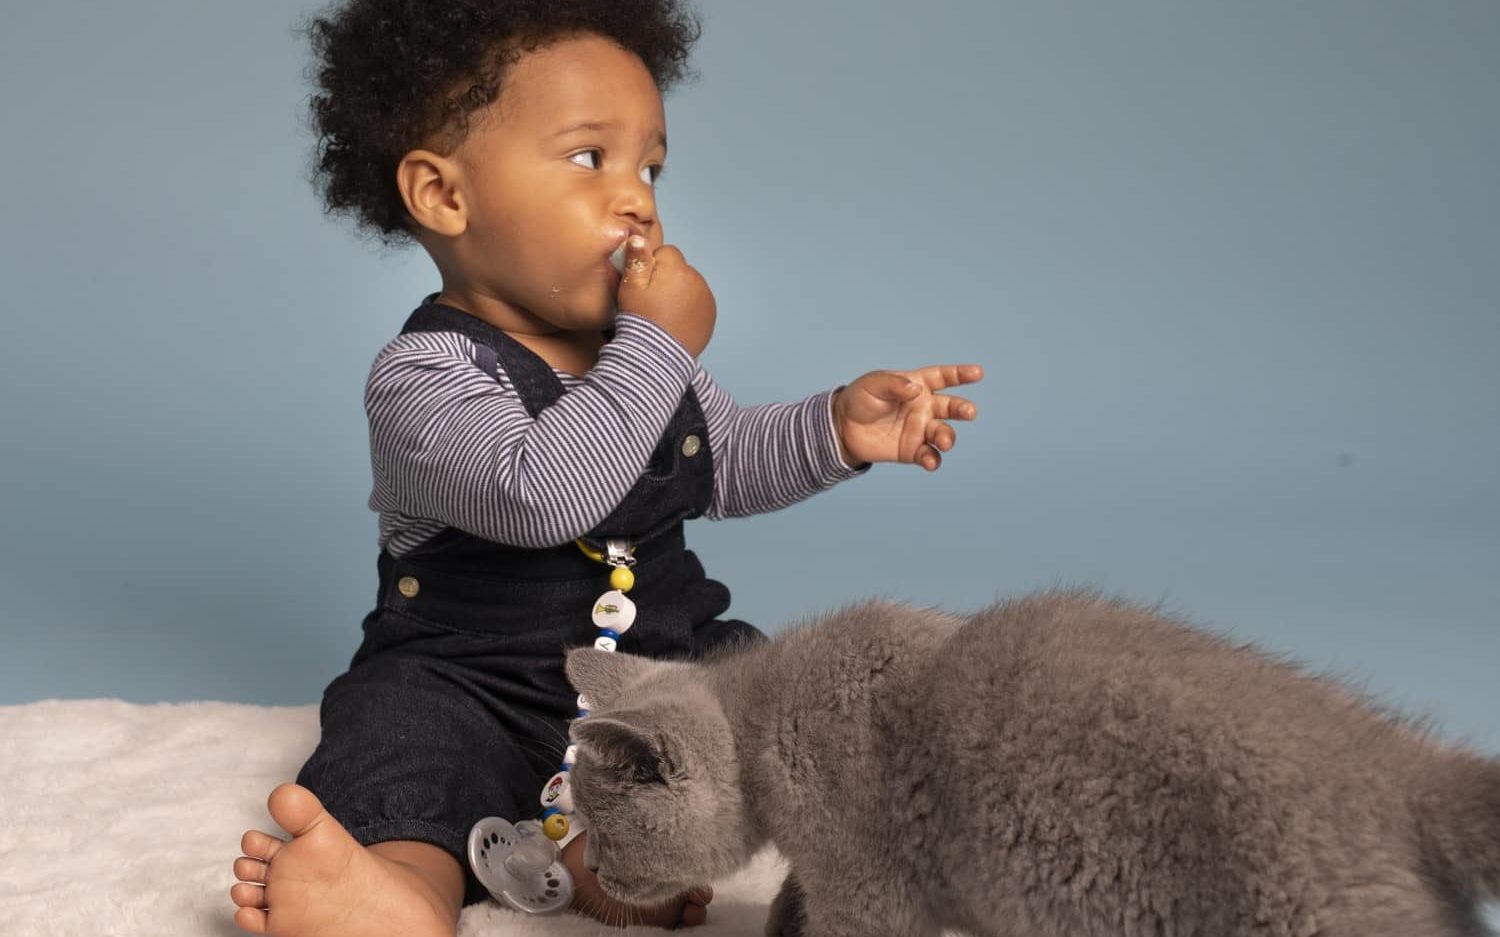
(1232, 268)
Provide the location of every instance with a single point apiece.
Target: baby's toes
(250, 870)
(251, 919)
(695, 907)
(247, 895)
(694, 915)
(258, 845)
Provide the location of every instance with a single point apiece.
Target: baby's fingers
(938, 376)
(946, 407)
(929, 458)
(639, 262)
(940, 436)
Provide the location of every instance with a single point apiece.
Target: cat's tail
(1459, 822)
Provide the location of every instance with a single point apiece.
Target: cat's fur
(1065, 765)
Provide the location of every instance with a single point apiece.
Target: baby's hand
(663, 288)
(898, 416)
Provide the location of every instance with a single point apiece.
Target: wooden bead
(622, 578)
(555, 826)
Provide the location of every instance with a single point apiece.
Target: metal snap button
(691, 445)
(409, 586)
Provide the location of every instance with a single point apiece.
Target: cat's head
(656, 777)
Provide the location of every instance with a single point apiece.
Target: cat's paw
(787, 918)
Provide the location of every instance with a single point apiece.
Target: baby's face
(549, 197)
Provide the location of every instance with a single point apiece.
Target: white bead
(558, 793)
(571, 755)
(583, 702)
(604, 643)
(613, 610)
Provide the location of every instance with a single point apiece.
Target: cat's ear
(619, 742)
(599, 675)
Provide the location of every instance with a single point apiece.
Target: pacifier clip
(521, 865)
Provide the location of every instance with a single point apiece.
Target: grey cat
(1064, 764)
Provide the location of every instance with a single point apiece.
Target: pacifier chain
(521, 865)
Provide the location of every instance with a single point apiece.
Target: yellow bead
(555, 826)
(622, 578)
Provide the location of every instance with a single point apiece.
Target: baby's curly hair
(392, 73)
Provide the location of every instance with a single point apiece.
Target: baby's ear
(600, 675)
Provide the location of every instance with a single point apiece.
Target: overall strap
(534, 380)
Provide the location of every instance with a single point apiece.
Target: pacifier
(617, 259)
(519, 866)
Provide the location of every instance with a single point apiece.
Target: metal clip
(619, 552)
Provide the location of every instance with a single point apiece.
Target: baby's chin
(593, 318)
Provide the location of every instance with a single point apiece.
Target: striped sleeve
(450, 446)
(770, 456)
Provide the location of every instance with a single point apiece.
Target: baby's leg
(321, 882)
(406, 764)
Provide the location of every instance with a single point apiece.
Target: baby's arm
(770, 456)
(450, 443)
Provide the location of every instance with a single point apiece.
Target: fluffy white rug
(123, 819)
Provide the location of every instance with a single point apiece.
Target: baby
(546, 405)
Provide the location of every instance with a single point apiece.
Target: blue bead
(582, 713)
(607, 633)
(549, 812)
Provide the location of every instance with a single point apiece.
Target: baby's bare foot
(322, 883)
(688, 910)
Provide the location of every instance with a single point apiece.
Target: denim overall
(455, 706)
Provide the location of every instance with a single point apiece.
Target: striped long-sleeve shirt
(451, 447)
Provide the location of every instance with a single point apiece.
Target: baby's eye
(594, 153)
(649, 175)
